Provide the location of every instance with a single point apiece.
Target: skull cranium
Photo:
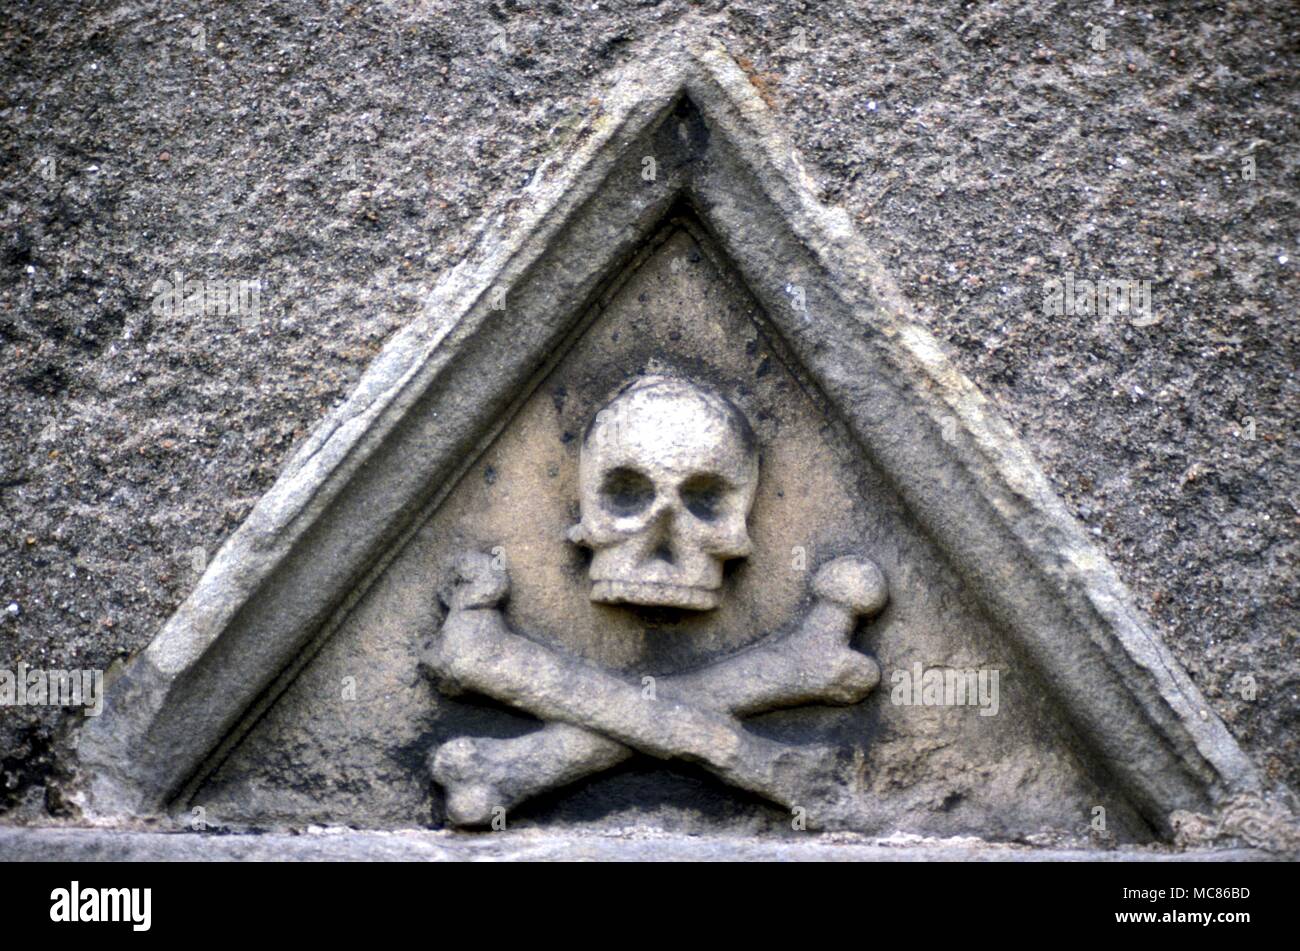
(667, 476)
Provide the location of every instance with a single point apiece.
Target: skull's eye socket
(702, 496)
(626, 492)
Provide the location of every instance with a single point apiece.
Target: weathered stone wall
(343, 155)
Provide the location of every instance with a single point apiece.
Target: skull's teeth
(654, 595)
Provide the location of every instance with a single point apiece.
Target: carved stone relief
(663, 515)
(783, 665)
(667, 475)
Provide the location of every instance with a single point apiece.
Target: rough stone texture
(982, 152)
(333, 845)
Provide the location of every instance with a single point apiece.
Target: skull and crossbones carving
(667, 476)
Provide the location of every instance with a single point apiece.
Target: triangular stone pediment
(682, 239)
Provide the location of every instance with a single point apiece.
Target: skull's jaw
(652, 594)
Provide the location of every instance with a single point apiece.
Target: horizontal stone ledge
(101, 845)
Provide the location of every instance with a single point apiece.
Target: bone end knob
(478, 581)
(457, 766)
(853, 582)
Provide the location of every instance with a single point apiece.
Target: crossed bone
(596, 719)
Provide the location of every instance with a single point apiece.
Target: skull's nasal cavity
(663, 552)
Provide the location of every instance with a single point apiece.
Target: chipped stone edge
(350, 845)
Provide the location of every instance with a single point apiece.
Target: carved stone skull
(667, 475)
